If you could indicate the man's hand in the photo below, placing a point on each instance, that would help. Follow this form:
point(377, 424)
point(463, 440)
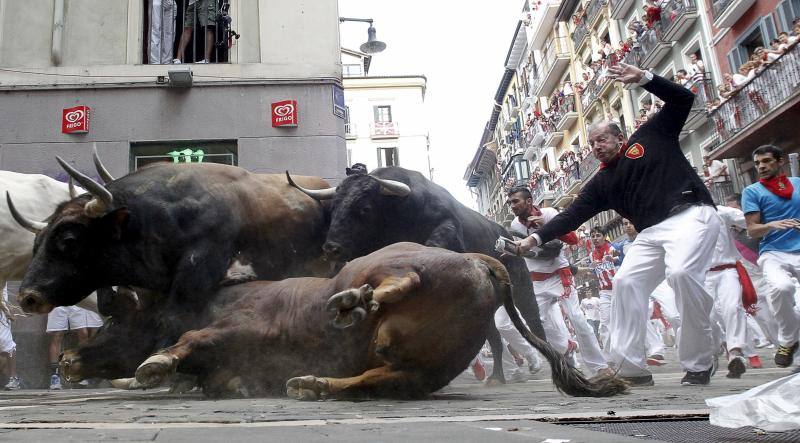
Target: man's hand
point(789, 223)
point(527, 244)
point(625, 73)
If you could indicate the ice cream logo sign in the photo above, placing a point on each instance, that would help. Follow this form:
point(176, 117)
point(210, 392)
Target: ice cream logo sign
point(75, 120)
point(284, 113)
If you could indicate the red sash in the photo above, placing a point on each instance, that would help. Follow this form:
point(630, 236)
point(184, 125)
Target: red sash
point(749, 298)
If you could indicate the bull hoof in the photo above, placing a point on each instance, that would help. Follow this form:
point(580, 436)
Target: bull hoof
point(351, 306)
point(70, 366)
point(494, 381)
point(127, 384)
point(182, 383)
point(154, 370)
point(307, 388)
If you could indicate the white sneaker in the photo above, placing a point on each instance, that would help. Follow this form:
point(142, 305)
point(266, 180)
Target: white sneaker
point(83, 383)
point(55, 382)
point(205, 62)
point(176, 61)
point(13, 384)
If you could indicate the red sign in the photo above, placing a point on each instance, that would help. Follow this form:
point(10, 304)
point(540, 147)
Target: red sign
point(75, 120)
point(284, 113)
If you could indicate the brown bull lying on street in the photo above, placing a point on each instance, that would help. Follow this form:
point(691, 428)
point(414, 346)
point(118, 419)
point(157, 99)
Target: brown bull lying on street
point(401, 322)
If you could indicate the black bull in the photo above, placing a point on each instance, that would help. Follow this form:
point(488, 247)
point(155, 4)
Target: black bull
point(393, 205)
point(177, 230)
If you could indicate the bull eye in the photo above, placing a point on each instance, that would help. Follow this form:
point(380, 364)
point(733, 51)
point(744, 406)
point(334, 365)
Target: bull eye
point(68, 243)
point(365, 211)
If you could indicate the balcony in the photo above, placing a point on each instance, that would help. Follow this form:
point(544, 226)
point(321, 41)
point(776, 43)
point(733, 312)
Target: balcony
point(677, 17)
point(764, 109)
point(619, 8)
point(555, 59)
point(653, 46)
point(383, 130)
point(579, 36)
point(703, 94)
point(727, 12)
point(566, 185)
point(594, 10)
point(552, 136)
point(350, 131)
point(565, 113)
point(534, 139)
point(598, 86)
point(588, 167)
point(721, 191)
point(543, 20)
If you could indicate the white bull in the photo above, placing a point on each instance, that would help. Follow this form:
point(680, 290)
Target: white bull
point(36, 197)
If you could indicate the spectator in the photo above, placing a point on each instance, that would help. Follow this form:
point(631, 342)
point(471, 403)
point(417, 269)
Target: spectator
point(717, 170)
point(61, 320)
point(8, 349)
point(206, 13)
point(697, 69)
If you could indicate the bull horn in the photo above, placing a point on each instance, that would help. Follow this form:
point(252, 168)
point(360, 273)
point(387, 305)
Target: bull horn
point(102, 197)
point(101, 170)
point(33, 226)
point(393, 187)
point(316, 194)
point(72, 191)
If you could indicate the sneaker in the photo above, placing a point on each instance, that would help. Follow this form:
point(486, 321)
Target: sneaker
point(736, 367)
point(755, 362)
point(478, 370)
point(13, 384)
point(55, 382)
point(656, 360)
point(641, 380)
point(83, 384)
point(202, 62)
point(701, 378)
point(784, 355)
point(176, 61)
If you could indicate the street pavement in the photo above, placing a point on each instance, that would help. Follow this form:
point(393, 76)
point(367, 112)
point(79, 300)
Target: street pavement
point(466, 410)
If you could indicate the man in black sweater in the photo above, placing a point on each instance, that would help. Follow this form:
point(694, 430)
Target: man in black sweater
point(647, 180)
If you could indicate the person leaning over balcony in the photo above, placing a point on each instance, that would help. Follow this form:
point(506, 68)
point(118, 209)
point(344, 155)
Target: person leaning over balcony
point(648, 180)
point(772, 212)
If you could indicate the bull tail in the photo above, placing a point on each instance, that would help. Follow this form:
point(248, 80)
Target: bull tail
point(566, 379)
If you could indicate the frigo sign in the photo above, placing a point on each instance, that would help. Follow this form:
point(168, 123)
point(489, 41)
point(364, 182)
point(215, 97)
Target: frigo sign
point(284, 113)
point(75, 120)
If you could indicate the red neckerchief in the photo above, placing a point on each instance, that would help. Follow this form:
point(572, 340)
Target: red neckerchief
point(778, 185)
point(622, 149)
point(601, 251)
point(534, 211)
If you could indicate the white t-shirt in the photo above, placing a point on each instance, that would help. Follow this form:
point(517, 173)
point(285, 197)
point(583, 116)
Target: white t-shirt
point(541, 265)
point(590, 306)
point(715, 168)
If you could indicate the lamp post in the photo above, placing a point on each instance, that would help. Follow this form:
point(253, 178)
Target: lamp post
point(372, 45)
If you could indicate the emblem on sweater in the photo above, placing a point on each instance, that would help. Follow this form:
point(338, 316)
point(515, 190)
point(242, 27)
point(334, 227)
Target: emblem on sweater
point(635, 151)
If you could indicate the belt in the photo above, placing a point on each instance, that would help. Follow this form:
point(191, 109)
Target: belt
point(723, 267)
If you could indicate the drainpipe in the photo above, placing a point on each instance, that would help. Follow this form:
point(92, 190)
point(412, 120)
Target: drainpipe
point(58, 32)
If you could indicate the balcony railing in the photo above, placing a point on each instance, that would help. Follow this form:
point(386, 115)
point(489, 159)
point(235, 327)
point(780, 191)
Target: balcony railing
point(570, 178)
point(579, 35)
point(765, 92)
point(588, 165)
point(721, 191)
point(594, 9)
point(719, 6)
point(554, 48)
point(385, 130)
point(651, 39)
point(596, 85)
point(350, 130)
point(562, 106)
point(675, 14)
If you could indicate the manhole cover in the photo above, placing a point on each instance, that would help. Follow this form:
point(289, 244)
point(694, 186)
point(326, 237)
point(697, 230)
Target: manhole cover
point(694, 431)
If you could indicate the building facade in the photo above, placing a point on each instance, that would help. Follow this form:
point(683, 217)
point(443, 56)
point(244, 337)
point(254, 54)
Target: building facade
point(62, 62)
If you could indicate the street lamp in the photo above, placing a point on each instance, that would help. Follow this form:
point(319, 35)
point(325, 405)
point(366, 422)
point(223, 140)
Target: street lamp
point(373, 45)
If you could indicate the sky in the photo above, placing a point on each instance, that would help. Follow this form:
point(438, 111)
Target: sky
point(460, 47)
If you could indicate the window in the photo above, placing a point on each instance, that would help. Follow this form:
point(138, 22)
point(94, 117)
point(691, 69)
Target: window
point(383, 114)
point(351, 70)
point(387, 157)
point(163, 31)
point(787, 11)
point(187, 151)
point(760, 34)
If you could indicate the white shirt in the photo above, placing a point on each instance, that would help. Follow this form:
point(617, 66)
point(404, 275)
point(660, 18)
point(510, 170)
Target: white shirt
point(590, 306)
point(715, 167)
point(725, 251)
point(538, 264)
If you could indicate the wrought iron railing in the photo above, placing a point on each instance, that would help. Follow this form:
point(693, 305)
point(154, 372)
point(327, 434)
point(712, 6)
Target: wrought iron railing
point(595, 86)
point(719, 7)
point(595, 7)
point(672, 11)
point(580, 34)
point(721, 191)
point(650, 39)
point(554, 48)
point(756, 98)
point(588, 165)
point(565, 105)
point(703, 89)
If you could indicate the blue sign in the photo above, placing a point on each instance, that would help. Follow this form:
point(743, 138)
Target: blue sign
point(338, 102)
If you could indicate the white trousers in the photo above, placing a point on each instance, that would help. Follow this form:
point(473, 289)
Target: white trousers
point(513, 337)
point(778, 268)
point(548, 296)
point(726, 289)
point(162, 31)
point(604, 312)
point(655, 343)
point(680, 248)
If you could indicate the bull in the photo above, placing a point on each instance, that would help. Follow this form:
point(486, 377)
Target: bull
point(178, 231)
point(401, 322)
point(393, 204)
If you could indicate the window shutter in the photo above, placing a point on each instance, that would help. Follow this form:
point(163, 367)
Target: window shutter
point(376, 113)
point(768, 30)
